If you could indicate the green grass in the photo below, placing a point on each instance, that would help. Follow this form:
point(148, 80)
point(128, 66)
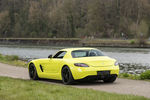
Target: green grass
point(143, 76)
point(12, 60)
point(129, 76)
point(16, 89)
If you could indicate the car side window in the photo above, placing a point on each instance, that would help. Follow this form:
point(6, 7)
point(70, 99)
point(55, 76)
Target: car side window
point(92, 53)
point(60, 54)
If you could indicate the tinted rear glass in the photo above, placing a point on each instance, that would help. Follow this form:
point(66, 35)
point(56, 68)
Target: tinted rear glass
point(86, 53)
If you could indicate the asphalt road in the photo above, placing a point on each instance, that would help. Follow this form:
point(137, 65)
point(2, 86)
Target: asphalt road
point(121, 86)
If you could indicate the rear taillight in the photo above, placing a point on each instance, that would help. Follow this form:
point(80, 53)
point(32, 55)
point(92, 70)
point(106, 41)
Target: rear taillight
point(81, 65)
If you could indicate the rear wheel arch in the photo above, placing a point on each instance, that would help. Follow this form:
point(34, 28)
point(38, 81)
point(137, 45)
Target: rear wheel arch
point(71, 79)
point(64, 66)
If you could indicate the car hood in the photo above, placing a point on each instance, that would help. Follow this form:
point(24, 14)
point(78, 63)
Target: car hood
point(100, 61)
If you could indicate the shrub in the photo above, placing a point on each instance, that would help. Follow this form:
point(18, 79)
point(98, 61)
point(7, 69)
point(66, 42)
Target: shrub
point(125, 74)
point(12, 58)
point(134, 77)
point(1, 56)
point(145, 75)
point(132, 42)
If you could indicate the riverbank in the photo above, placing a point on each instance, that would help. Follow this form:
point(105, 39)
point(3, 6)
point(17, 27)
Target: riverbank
point(143, 75)
point(77, 42)
point(12, 60)
point(42, 41)
point(115, 43)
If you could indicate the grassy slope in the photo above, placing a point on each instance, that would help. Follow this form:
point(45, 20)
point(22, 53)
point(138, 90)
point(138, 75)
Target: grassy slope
point(15, 89)
point(12, 60)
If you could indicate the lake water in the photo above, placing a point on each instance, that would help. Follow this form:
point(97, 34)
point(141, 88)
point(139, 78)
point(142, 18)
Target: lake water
point(123, 55)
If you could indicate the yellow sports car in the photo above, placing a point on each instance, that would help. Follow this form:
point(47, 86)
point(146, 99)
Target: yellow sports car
point(73, 64)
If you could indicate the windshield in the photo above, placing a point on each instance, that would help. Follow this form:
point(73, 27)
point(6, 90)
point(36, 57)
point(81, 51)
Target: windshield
point(86, 53)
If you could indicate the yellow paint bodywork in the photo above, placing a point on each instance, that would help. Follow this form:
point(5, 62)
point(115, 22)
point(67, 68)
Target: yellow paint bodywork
point(52, 67)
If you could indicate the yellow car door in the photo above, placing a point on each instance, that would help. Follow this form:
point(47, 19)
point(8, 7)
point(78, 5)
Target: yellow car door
point(57, 61)
point(53, 66)
point(47, 66)
point(56, 65)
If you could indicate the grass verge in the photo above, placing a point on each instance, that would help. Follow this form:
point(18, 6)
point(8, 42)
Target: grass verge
point(12, 60)
point(17, 89)
point(129, 76)
point(143, 76)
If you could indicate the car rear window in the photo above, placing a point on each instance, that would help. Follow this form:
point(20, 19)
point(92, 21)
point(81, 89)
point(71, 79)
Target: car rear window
point(86, 53)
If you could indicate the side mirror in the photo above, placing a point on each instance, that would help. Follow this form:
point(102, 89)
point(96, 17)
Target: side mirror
point(50, 56)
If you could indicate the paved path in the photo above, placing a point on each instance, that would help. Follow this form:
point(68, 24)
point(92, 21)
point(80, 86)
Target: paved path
point(121, 86)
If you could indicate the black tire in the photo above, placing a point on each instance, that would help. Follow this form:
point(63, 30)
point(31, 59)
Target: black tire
point(110, 79)
point(66, 74)
point(32, 72)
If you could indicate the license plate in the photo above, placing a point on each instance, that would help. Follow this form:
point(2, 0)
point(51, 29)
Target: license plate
point(103, 73)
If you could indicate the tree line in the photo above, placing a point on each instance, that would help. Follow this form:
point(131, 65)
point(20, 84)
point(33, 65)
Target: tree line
point(75, 18)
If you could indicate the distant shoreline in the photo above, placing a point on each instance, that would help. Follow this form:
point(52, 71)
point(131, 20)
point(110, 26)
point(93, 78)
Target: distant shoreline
point(75, 42)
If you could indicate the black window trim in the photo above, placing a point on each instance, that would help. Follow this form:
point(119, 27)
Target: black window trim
point(57, 55)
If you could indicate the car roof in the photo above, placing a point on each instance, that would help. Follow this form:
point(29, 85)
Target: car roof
point(72, 49)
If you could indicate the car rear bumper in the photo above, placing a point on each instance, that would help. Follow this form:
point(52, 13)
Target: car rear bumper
point(81, 73)
point(97, 77)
